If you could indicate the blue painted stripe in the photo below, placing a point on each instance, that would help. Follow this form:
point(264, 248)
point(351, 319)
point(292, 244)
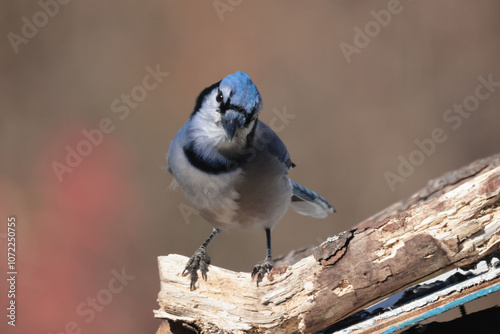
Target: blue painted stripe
point(449, 306)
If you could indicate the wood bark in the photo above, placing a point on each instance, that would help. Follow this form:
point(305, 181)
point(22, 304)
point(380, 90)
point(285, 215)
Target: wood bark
point(453, 222)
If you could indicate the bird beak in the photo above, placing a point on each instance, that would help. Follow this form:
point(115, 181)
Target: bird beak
point(231, 122)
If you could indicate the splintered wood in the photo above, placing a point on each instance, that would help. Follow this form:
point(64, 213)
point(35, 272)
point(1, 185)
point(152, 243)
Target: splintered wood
point(455, 224)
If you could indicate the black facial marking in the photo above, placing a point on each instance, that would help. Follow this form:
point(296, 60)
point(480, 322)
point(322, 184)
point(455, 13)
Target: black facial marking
point(251, 134)
point(249, 119)
point(201, 97)
point(228, 105)
point(234, 107)
point(219, 98)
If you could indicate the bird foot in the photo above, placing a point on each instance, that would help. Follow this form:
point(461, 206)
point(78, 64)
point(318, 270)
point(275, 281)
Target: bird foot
point(261, 269)
point(200, 260)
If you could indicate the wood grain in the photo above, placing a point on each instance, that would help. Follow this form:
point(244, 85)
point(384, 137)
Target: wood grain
point(450, 223)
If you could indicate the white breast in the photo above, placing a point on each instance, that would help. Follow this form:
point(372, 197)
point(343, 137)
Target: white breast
point(213, 195)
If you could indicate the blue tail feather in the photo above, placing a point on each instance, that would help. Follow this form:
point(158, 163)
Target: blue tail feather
point(307, 202)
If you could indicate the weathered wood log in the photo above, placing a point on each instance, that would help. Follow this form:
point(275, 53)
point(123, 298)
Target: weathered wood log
point(449, 224)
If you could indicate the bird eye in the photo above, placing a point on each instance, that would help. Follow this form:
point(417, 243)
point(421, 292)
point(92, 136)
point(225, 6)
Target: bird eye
point(219, 97)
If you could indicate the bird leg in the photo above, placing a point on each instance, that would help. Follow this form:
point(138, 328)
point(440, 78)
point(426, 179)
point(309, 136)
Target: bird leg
point(200, 260)
point(261, 269)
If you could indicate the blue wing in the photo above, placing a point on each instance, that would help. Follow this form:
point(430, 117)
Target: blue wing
point(266, 135)
point(304, 201)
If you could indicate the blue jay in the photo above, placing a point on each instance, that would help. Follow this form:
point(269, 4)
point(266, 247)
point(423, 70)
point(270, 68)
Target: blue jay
point(233, 169)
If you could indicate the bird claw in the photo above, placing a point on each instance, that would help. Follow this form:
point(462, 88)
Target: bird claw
point(261, 269)
point(200, 260)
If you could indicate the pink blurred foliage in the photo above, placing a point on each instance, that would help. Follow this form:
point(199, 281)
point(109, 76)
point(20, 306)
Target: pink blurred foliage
point(76, 230)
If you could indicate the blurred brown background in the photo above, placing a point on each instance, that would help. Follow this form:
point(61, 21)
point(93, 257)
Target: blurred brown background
point(114, 211)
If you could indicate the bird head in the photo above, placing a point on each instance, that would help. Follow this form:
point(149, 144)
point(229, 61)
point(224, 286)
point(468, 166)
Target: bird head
point(226, 112)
